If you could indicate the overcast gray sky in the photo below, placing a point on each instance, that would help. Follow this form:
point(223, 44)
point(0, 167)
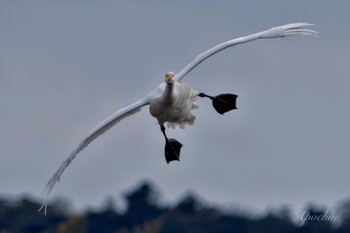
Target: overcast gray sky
point(67, 65)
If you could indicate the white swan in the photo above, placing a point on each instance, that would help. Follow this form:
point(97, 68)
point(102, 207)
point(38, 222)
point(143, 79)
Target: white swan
point(172, 101)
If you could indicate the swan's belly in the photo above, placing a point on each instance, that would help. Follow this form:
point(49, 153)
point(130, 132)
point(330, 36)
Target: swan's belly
point(171, 113)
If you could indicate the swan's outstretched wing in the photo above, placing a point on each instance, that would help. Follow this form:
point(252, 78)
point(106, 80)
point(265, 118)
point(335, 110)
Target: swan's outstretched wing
point(294, 29)
point(97, 131)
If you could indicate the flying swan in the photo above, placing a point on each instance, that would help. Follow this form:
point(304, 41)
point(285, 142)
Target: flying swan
point(172, 101)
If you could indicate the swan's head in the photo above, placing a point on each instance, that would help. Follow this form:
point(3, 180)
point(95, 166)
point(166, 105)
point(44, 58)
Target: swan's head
point(170, 77)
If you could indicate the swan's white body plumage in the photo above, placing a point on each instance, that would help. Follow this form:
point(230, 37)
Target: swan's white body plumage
point(171, 103)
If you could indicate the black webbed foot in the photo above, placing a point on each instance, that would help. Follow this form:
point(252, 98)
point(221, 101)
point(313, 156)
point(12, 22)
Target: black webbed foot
point(172, 150)
point(223, 102)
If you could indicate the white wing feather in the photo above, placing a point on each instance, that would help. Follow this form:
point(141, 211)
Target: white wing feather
point(293, 29)
point(96, 132)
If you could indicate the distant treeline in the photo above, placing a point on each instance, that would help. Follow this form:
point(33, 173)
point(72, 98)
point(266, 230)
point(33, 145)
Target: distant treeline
point(144, 214)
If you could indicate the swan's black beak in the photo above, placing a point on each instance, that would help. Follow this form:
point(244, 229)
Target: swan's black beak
point(172, 150)
point(224, 102)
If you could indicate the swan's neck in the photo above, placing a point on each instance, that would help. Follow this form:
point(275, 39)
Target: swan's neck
point(169, 91)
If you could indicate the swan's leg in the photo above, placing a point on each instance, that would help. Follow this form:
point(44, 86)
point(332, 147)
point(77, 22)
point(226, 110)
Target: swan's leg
point(172, 147)
point(223, 102)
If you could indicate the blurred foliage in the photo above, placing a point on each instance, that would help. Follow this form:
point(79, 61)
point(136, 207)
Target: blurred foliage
point(76, 224)
point(144, 214)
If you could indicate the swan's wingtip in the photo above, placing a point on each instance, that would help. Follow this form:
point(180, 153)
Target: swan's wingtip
point(43, 206)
